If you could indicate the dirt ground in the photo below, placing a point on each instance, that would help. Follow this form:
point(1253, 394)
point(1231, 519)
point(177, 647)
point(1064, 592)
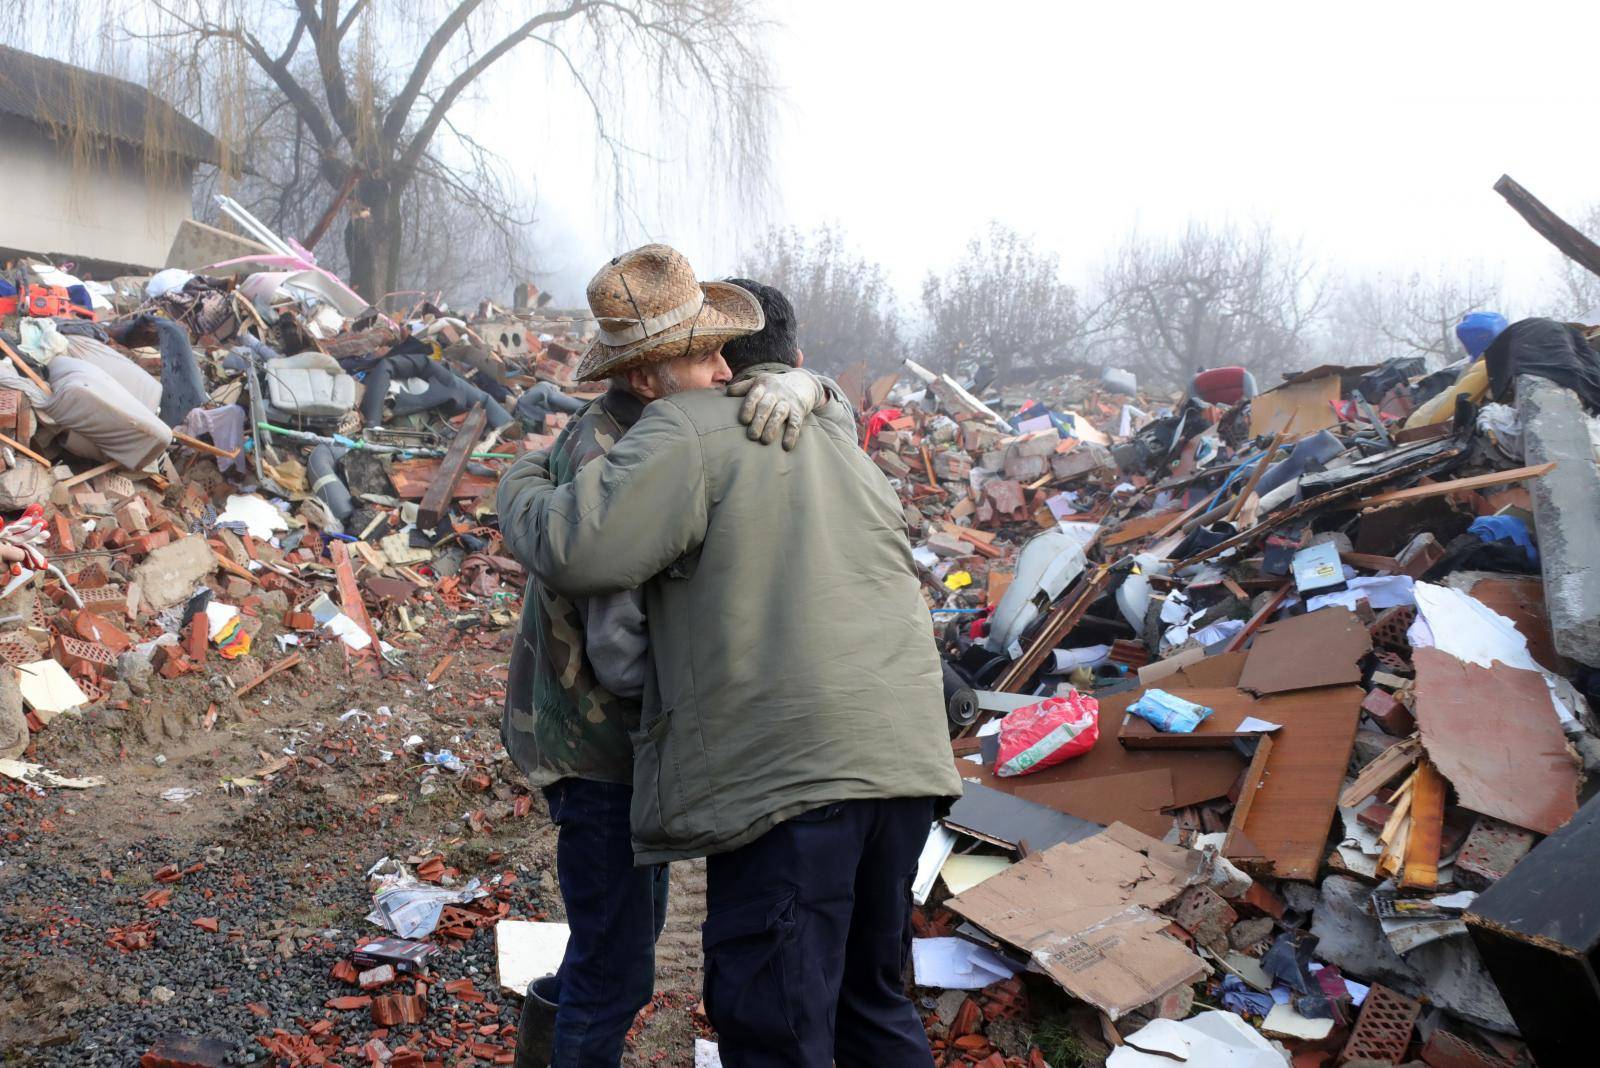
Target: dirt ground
point(269, 813)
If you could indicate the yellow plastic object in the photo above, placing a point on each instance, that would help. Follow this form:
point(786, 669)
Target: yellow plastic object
point(1473, 385)
point(958, 580)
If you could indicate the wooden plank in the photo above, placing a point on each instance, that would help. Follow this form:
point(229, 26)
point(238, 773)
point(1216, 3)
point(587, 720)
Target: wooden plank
point(1391, 762)
point(1550, 226)
point(24, 450)
point(1285, 516)
point(349, 593)
point(1427, 830)
point(1475, 482)
point(1255, 476)
point(27, 372)
point(1255, 622)
point(283, 665)
point(68, 483)
point(1139, 527)
point(203, 446)
point(436, 502)
point(1237, 844)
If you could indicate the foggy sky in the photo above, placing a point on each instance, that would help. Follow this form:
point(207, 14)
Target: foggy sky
point(1372, 130)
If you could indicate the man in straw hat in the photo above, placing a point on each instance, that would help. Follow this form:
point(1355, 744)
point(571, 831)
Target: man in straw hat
point(578, 670)
point(793, 726)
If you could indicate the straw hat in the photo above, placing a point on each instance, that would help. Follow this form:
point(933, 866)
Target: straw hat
point(650, 308)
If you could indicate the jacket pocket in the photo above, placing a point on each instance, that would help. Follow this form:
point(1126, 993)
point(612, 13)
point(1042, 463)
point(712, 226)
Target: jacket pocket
point(647, 810)
point(752, 963)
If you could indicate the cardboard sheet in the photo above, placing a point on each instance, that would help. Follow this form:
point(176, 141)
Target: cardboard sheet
point(1083, 912)
point(1297, 407)
point(1493, 734)
point(1321, 648)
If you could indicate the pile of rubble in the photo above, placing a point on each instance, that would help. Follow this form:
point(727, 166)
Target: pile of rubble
point(226, 472)
point(1314, 792)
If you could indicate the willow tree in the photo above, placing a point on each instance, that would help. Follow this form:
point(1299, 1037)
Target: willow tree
point(372, 85)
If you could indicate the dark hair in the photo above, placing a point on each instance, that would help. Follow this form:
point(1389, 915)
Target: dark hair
point(773, 343)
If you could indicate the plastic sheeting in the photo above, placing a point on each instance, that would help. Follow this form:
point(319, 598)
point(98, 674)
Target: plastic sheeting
point(1548, 349)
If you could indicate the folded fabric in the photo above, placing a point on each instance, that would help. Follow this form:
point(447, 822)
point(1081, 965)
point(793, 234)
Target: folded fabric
point(1166, 712)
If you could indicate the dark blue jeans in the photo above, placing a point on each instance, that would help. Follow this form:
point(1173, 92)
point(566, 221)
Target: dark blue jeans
point(806, 937)
point(616, 912)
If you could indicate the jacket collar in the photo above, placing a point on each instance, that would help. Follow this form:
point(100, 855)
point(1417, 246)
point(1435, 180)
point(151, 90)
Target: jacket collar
point(622, 405)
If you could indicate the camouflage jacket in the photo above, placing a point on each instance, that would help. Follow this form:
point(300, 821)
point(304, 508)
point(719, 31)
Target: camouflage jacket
point(560, 721)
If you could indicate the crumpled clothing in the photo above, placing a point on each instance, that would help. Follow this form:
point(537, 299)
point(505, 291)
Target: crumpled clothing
point(225, 426)
point(1239, 997)
point(41, 340)
point(1505, 528)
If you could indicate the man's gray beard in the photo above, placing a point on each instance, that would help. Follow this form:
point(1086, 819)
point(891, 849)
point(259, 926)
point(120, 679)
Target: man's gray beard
point(667, 381)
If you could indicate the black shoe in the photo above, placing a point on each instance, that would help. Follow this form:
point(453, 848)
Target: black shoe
point(536, 1030)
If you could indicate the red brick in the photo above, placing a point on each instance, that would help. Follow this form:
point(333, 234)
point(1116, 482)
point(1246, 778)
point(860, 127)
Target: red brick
point(181, 1051)
point(207, 923)
point(1390, 714)
point(346, 1002)
point(145, 544)
point(75, 654)
point(195, 636)
point(1262, 900)
point(390, 1010)
point(96, 628)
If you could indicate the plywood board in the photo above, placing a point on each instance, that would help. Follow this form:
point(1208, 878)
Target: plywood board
point(1010, 820)
point(1083, 912)
point(1297, 408)
point(1106, 784)
point(1520, 598)
point(1493, 734)
point(1322, 648)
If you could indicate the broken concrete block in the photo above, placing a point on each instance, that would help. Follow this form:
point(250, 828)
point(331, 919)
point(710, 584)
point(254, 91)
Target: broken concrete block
point(947, 546)
point(171, 572)
point(1083, 459)
point(1025, 468)
point(14, 734)
point(1448, 971)
point(1566, 513)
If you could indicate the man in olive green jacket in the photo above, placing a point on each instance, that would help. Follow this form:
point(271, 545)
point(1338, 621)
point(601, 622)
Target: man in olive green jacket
point(793, 725)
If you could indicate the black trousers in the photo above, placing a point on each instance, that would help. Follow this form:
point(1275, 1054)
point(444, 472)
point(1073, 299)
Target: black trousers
point(807, 934)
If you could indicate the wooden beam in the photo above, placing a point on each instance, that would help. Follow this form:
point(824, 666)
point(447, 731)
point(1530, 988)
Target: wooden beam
point(436, 501)
point(1255, 621)
point(24, 450)
point(350, 594)
point(84, 476)
point(1389, 763)
point(27, 372)
point(283, 665)
point(1238, 844)
point(1475, 482)
point(203, 446)
point(1550, 226)
point(1255, 476)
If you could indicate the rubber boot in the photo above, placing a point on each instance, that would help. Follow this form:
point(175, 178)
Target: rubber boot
point(536, 1030)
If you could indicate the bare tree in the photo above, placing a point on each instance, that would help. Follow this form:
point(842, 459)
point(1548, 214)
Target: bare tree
point(371, 87)
point(845, 307)
point(1579, 288)
point(1210, 297)
point(1003, 304)
point(1418, 313)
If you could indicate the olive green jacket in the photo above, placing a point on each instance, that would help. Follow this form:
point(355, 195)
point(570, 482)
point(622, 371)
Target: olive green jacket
point(793, 658)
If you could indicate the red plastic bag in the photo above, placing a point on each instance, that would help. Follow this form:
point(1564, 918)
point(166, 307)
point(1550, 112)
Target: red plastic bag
point(1037, 736)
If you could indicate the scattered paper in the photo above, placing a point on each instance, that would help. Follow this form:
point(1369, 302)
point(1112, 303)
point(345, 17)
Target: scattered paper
point(1250, 724)
point(941, 840)
point(1209, 1040)
point(706, 1054)
point(37, 775)
point(956, 964)
point(258, 515)
point(525, 951)
point(1284, 1022)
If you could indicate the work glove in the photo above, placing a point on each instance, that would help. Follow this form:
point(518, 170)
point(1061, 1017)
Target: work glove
point(778, 403)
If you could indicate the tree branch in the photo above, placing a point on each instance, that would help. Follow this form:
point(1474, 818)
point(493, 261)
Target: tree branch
point(394, 120)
